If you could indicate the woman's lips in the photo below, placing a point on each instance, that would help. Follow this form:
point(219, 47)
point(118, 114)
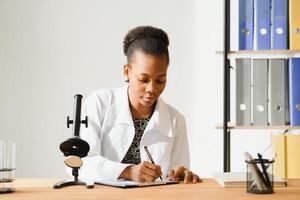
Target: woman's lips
point(148, 99)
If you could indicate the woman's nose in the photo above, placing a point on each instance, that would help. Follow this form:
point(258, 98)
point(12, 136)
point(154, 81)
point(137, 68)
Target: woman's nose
point(151, 88)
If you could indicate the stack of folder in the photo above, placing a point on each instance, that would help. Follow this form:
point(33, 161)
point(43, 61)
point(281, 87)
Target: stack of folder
point(263, 24)
point(287, 148)
point(267, 92)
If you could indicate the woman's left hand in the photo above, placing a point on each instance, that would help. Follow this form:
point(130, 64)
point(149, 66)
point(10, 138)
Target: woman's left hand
point(181, 173)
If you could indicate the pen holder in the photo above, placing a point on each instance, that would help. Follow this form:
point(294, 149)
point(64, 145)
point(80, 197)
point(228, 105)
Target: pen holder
point(259, 176)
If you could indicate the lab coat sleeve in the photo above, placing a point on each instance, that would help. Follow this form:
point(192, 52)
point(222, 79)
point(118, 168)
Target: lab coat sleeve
point(95, 166)
point(180, 151)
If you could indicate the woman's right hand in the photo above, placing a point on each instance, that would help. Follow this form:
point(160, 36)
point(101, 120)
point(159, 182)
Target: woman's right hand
point(145, 171)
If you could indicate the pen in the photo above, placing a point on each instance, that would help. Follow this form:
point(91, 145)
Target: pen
point(269, 186)
point(150, 157)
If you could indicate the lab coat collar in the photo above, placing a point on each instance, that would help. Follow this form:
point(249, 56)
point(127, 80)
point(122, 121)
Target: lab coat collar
point(123, 112)
point(160, 119)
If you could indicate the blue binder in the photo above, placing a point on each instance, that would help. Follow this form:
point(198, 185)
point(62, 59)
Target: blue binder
point(294, 86)
point(279, 22)
point(262, 24)
point(246, 24)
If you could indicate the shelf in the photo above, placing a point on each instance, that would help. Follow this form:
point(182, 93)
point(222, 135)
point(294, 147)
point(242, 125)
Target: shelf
point(268, 54)
point(231, 126)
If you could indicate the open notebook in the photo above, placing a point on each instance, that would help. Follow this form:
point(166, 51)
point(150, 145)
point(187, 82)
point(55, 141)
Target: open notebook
point(238, 179)
point(131, 184)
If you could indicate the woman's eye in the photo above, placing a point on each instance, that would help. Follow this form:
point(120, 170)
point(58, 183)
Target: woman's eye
point(161, 81)
point(143, 80)
point(148, 80)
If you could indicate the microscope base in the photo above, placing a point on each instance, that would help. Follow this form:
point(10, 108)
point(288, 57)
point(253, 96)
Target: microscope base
point(66, 183)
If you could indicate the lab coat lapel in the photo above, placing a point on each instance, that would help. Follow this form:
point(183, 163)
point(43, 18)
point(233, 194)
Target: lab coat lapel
point(123, 114)
point(124, 123)
point(160, 120)
point(158, 135)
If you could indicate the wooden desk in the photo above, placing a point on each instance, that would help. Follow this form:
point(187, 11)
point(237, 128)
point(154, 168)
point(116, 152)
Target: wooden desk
point(41, 189)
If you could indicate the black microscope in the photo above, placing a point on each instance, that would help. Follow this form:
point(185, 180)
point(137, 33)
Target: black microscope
point(75, 148)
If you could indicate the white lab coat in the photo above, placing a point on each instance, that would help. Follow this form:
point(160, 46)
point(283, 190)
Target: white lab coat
point(111, 131)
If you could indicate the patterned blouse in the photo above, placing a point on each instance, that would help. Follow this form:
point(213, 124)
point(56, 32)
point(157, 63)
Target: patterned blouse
point(133, 155)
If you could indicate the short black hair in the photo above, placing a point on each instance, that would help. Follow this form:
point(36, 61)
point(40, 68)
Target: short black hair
point(148, 39)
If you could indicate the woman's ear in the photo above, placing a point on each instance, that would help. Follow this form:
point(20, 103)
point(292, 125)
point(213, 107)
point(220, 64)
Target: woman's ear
point(126, 72)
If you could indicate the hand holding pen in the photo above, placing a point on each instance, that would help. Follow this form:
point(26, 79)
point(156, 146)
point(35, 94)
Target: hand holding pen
point(150, 157)
point(144, 171)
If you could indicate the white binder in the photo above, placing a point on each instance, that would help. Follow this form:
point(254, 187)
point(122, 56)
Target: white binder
point(243, 92)
point(260, 92)
point(278, 92)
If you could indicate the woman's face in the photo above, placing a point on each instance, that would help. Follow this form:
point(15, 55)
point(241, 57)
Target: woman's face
point(147, 75)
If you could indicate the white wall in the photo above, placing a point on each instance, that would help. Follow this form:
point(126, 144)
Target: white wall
point(53, 49)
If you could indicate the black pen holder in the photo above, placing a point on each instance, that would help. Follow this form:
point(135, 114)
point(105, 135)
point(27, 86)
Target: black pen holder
point(259, 180)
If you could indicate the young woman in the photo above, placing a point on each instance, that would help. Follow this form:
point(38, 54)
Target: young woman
point(124, 120)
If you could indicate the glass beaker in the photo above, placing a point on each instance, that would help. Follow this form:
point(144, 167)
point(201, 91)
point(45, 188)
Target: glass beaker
point(7, 166)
